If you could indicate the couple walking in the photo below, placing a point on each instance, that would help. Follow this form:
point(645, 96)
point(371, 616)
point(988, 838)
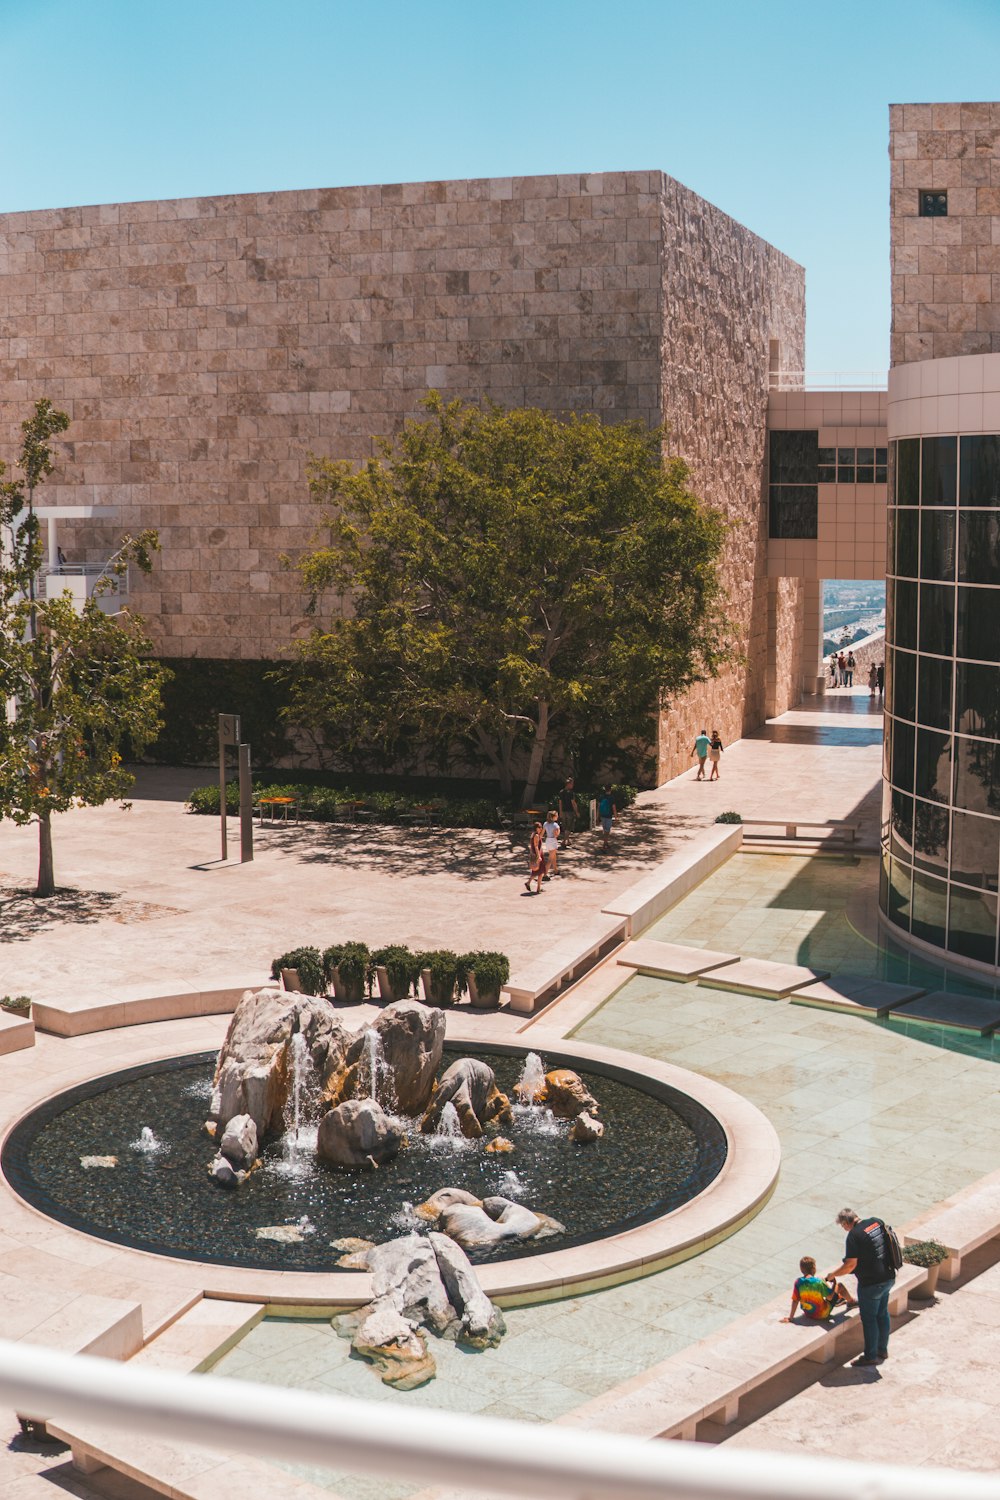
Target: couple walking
point(708, 748)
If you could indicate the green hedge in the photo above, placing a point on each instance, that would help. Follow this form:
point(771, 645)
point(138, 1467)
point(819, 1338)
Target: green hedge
point(325, 804)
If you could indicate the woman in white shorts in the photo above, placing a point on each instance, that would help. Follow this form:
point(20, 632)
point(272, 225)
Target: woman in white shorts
point(550, 843)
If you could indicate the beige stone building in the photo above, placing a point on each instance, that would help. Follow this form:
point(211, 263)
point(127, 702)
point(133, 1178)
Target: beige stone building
point(204, 348)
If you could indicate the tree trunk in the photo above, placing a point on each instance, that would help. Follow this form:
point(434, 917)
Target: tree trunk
point(46, 874)
point(537, 754)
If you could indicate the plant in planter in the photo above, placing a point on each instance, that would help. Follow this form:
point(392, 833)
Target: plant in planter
point(307, 964)
point(18, 1005)
point(729, 817)
point(439, 971)
point(398, 970)
point(484, 973)
point(930, 1254)
point(348, 967)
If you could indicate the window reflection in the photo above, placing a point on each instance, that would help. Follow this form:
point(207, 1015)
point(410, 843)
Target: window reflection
point(977, 775)
point(978, 623)
point(980, 471)
point(930, 908)
point(907, 539)
point(937, 546)
point(900, 892)
point(934, 695)
point(977, 700)
point(904, 628)
point(902, 756)
point(975, 850)
point(972, 925)
point(907, 471)
point(938, 470)
point(904, 684)
point(937, 618)
point(901, 824)
point(979, 551)
point(930, 837)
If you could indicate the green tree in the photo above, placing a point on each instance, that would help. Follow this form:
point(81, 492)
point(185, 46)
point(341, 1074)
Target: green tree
point(506, 584)
point(75, 687)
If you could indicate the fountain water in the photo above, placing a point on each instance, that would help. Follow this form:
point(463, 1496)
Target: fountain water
point(375, 1072)
point(531, 1083)
point(148, 1143)
point(511, 1185)
point(449, 1135)
point(299, 1141)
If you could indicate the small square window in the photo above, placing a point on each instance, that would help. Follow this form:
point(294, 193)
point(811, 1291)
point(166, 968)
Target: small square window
point(933, 205)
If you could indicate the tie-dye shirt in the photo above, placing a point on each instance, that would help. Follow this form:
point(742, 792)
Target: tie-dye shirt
point(816, 1296)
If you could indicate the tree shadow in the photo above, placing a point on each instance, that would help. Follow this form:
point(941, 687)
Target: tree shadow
point(23, 915)
point(644, 836)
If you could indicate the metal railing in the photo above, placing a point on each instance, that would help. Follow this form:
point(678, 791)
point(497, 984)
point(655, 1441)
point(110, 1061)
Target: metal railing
point(828, 380)
point(473, 1454)
point(91, 571)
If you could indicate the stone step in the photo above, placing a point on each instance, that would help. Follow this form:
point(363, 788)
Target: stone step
point(672, 960)
point(854, 994)
point(963, 1012)
point(760, 976)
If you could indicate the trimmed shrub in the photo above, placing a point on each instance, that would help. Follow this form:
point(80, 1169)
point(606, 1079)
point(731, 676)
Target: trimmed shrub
point(310, 969)
point(729, 817)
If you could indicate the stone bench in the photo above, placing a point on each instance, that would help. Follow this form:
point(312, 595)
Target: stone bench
point(194, 1341)
point(15, 1032)
point(76, 1015)
point(708, 1381)
point(961, 1224)
point(73, 1323)
point(563, 963)
point(833, 829)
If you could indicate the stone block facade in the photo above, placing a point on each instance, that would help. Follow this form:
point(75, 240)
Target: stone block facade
point(204, 348)
point(946, 267)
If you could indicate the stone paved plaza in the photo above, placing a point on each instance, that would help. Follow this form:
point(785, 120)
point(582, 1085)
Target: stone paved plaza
point(887, 1117)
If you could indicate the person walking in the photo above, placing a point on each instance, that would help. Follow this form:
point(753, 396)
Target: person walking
point(536, 861)
point(833, 669)
point(715, 749)
point(880, 677)
point(872, 681)
point(841, 669)
point(850, 669)
point(867, 1255)
point(607, 811)
point(701, 748)
point(569, 810)
point(550, 843)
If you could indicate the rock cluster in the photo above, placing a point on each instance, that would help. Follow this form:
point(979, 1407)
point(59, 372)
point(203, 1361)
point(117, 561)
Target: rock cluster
point(472, 1222)
point(418, 1282)
point(471, 1086)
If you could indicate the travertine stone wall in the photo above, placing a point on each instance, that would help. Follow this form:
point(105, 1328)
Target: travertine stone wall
point(945, 271)
point(730, 300)
point(204, 347)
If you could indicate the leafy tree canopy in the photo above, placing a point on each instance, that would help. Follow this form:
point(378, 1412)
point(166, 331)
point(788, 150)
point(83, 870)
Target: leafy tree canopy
point(75, 686)
point(507, 584)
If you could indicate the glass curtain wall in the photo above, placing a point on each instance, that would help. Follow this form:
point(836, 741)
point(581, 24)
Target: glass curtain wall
point(941, 811)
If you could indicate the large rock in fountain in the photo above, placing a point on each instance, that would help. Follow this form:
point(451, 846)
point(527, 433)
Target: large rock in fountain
point(482, 1324)
point(474, 1222)
point(418, 1280)
point(358, 1133)
point(471, 1086)
point(522, 1221)
point(412, 1037)
point(224, 1173)
point(239, 1143)
point(395, 1347)
point(253, 1072)
point(566, 1094)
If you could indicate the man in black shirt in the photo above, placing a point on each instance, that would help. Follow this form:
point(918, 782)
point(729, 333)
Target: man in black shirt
point(867, 1255)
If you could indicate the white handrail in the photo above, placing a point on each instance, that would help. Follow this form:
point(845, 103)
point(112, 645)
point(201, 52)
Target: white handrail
point(476, 1454)
point(828, 380)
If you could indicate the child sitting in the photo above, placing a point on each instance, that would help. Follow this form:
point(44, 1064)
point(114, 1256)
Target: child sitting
point(816, 1297)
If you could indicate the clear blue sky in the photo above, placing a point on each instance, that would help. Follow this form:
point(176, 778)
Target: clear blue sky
point(776, 110)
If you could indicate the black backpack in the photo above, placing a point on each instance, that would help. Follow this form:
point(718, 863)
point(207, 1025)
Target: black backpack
point(894, 1249)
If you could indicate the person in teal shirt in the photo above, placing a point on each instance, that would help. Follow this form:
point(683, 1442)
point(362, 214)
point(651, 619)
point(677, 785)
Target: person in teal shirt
point(700, 748)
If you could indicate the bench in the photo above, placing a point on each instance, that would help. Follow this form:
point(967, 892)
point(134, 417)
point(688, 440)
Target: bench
point(194, 1341)
point(563, 963)
point(16, 1031)
point(961, 1224)
point(707, 1381)
point(79, 1013)
point(835, 832)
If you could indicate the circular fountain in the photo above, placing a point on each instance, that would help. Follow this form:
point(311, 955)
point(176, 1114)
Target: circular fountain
point(658, 1177)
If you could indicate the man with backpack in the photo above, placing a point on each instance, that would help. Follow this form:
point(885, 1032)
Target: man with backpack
point(872, 1254)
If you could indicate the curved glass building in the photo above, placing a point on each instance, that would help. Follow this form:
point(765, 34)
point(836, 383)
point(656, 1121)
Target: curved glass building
point(941, 811)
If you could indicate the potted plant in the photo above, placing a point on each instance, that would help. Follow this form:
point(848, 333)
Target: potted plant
point(18, 1005)
point(439, 972)
point(484, 973)
point(397, 969)
point(347, 967)
point(930, 1254)
point(304, 968)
